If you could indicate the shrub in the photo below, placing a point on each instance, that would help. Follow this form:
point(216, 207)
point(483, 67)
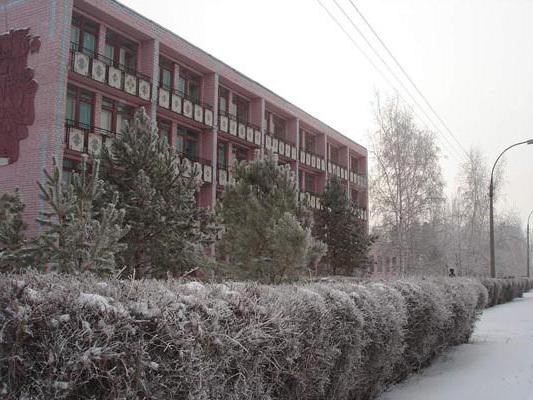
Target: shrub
point(81, 337)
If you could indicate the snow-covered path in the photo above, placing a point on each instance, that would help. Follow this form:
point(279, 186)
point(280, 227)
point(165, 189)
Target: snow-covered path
point(497, 364)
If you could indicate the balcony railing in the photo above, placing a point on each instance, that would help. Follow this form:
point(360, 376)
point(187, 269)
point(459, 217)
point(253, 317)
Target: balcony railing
point(312, 160)
point(244, 130)
point(195, 164)
point(311, 198)
point(281, 147)
point(101, 69)
point(359, 180)
point(360, 212)
point(84, 138)
point(338, 170)
point(179, 103)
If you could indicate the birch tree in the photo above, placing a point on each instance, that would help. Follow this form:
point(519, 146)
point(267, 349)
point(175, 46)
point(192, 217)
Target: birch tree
point(407, 184)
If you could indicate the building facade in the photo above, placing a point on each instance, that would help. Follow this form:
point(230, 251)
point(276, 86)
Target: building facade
point(89, 64)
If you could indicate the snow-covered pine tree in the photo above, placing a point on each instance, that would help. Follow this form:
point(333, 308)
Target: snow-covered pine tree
point(168, 230)
point(345, 235)
point(78, 235)
point(267, 236)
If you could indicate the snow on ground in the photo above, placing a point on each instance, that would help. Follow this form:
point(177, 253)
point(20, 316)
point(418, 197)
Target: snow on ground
point(497, 363)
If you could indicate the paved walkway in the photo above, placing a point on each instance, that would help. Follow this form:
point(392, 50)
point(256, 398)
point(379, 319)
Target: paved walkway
point(497, 364)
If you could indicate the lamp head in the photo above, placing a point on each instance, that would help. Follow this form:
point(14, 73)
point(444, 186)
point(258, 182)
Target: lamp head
point(530, 141)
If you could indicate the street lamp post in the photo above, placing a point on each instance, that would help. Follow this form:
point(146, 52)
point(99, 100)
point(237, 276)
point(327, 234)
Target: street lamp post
point(527, 239)
point(491, 195)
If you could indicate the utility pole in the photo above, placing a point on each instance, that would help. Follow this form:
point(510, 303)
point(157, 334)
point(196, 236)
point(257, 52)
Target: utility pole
point(491, 196)
point(528, 249)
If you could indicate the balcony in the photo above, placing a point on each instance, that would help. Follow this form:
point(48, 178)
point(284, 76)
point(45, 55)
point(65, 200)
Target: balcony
point(179, 103)
point(194, 164)
point(338, 170)
point(359, 180)
point(312, 160)
point(283, 148)
point(359, 212)
point(84, 139)
point(104, 70)
point(229, 123)
point(311, 198)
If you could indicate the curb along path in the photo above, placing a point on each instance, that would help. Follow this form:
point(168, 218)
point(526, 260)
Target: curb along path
point(496, 364)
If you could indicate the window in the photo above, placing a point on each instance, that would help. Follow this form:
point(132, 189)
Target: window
point(275, 125)
point(310, 143)
point(80, 105)
point(239, 153)
point(69, 166)
point(189, 84)
point(222, 155)
point(166, 74)
point(115, 115)
point(355, 197)
point(241, 108)
point(310, 183)
point(84, 35)
point(164, 127)
point(120, 51)
point(333, 154)
point(187, 142)
point(223, 98)
point(354, 165)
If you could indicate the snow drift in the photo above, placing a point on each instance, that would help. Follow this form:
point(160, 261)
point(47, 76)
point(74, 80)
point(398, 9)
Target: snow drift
point(67, 337)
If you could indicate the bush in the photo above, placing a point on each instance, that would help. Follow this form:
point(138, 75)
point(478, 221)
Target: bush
point(504, 290)
point(80, 337)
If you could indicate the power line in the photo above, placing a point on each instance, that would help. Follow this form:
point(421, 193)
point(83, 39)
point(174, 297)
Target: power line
point(406, 75)
point(394, 75)
point(383, 75)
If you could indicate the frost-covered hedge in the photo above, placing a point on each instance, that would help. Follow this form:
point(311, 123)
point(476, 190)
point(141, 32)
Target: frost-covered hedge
point(63, 337)
point(504, 290)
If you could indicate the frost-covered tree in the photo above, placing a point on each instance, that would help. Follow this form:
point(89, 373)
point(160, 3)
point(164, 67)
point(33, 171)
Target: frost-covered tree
point(345, 235)
point(407, 184)
point(168, 230)
point(11, 224)
point(267, 234)
point(78, 235)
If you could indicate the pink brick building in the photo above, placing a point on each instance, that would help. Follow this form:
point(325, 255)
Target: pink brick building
point(99, 60)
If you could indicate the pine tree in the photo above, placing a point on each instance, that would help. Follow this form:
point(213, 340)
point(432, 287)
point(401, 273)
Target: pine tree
point(78, 235)
point(267, 234)
point(168, 230)
point(345, 235)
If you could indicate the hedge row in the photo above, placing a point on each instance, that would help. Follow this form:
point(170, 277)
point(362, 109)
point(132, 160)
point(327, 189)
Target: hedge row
point(66, 337)
point(504, 290)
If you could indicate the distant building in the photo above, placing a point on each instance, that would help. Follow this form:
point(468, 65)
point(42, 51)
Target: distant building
point(99, 60)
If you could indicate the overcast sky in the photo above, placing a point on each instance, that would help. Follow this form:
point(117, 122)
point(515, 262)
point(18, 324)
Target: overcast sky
point(472, 59)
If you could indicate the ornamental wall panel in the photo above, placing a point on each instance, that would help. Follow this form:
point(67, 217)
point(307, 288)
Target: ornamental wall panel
point(114, 77)
point(222, 177)
point(268, 142)
point(257, 137)
point(241, 131)
point(208, 173)
point(76, 139)
point(250, 134)
point(224, 123)
point(233, 127)
point(175, 103)
point(198, 113)
point(164, 98)
point(81, 64)
point(302, 156)
point(188, 108)
point(94, 144)
point(308, 159)
point(274, 145)
point(287, 150)
point(281, 147)
point(144, 89)
point(313, 161)
point(130, 84)
point(208, 117)
point(98, 70)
